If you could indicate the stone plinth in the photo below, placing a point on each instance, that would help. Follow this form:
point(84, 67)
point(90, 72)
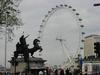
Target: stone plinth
point(34, 64)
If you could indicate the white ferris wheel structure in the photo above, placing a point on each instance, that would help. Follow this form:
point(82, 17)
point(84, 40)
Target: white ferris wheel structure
point(80, 26)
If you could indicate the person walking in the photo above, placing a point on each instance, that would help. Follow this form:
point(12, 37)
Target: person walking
point(61, 72)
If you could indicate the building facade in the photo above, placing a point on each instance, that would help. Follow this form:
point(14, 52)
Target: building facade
point(89, 44)
point(91, 68)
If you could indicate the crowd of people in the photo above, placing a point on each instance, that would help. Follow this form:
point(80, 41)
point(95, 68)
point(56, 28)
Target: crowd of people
point(61, 71)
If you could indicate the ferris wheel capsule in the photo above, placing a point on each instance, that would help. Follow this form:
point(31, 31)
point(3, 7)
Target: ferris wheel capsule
point(61, 5)
point(70, 7)
point(83, 33)
point(65, 5)
point(41, 25)
point(46, 15)
point(40, 31)
point(43, 20)
point(57, 6)
point(77, 14)
point(82, 26)
point(80, 19)
point(73, 9)
point(53, 8)
point(49, 11)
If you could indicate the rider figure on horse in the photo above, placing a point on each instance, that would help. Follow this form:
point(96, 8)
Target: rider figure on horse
point(22, 47)
point(23, 41)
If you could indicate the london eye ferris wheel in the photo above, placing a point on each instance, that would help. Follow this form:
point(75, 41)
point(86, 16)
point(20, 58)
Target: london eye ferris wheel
point(61, 34)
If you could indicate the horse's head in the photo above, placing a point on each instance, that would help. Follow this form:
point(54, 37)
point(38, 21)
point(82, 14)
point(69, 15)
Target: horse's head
point(36, 42)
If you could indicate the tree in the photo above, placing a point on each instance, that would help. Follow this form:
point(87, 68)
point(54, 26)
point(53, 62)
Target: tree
point(9, 18)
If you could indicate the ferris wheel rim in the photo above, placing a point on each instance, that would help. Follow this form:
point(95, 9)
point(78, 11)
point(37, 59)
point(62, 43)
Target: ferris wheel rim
point(57, 8)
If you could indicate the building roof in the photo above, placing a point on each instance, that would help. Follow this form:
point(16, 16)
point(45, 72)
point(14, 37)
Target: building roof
point(92, 35)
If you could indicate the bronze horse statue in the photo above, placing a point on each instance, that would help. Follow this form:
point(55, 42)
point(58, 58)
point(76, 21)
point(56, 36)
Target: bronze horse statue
point(22, 48)
point(36, 47)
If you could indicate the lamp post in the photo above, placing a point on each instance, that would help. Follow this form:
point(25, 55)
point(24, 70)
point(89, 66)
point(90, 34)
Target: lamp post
point(5, 34)
point(96, 4)
point(6, 41)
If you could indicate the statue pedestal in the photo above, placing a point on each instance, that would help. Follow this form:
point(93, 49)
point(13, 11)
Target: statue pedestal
point(35, 65)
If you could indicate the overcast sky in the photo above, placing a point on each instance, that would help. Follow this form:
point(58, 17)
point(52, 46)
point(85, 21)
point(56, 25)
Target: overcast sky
point(61, 24)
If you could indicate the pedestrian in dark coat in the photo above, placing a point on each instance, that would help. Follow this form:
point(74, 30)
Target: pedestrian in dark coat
point(56, 72)
point(61, 72)
point(67, 71)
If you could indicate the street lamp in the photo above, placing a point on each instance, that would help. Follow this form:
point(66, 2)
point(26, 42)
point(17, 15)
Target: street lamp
point(6, 40)
point(96, 4)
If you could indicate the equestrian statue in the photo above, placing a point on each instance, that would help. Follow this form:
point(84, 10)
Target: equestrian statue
point(22, 48)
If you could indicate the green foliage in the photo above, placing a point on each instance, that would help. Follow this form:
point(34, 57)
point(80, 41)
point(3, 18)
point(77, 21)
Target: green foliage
point(9, 17)
point(9, 13)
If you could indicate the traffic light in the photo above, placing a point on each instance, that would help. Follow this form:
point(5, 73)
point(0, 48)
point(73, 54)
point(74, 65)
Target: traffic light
point(97, 48)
